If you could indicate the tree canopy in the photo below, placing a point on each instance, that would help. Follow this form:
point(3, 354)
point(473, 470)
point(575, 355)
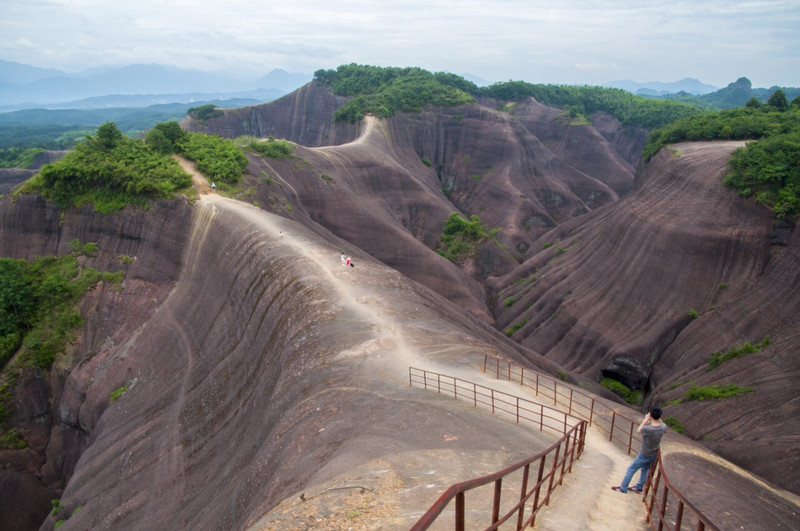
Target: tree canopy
point(109, 170)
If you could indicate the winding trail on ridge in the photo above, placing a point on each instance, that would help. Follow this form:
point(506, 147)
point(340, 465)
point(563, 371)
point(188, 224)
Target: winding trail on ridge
point(584, 501)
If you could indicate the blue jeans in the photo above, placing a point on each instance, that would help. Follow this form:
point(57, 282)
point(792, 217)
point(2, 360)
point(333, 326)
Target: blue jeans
point(640, 463)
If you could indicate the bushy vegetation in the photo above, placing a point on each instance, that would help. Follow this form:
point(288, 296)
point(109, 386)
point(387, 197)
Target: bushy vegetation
point(270, 148)
point(460, 238)
point(218, 158)
point(767, 170)
point(719, 357)
point(17, 157)
point(386, 91)
point(205, 112)
point(54, 137)
point(38, 304)
point(583, 101)
point(712, 392)
point(109, 171)
point(631, 396)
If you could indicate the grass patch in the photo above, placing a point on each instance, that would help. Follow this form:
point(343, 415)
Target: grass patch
point(719, 357)
point(117, 393)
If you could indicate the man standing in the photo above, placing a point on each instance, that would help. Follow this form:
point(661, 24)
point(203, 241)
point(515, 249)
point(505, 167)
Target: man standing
point(652, 430)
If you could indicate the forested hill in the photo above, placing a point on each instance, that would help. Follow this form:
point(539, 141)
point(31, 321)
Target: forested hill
point(385, 91)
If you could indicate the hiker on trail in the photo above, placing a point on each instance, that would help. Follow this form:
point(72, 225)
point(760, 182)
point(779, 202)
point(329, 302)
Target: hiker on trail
point(213, 186)
point(652, 430)
point(280, 234)
point(347, 261)
point(342, 258)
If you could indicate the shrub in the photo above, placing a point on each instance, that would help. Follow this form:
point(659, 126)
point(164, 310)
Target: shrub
point(109, 171)
point(718, 358)
point(631, 396)
point(512, 330)
point(117, 393)
point(219, 159)
point(205, 112)
point(460, 237)
point(693, 314)
point(38, 304)
point(270, 148)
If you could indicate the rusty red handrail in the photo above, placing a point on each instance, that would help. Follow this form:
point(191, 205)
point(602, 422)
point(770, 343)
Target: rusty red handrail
point(618, 427)
point(572, 441)
point(660, 514)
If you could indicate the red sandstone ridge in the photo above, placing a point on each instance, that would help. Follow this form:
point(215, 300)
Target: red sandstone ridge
point(599, 271)
point(227, 333)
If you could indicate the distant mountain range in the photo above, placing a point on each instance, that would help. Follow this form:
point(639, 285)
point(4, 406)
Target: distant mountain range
point(658, 88)
point(24, 86)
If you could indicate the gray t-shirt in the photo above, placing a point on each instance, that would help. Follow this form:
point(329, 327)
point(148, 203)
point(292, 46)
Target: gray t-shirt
point(651, 438)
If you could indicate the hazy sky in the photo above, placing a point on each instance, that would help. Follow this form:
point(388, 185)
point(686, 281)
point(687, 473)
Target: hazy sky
point(556, 41)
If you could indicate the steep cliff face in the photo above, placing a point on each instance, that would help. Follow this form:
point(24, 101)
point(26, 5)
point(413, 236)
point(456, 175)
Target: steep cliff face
point(305, 116)
point(615, 294)
point(55, 413)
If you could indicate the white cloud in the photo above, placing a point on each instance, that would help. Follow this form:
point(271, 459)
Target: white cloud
point(555, 41)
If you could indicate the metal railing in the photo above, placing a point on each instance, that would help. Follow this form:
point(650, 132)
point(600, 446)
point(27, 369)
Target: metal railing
point(560, 454)
point(498, 402)
point(662, 513)
point(618, 427)
point(668, 514)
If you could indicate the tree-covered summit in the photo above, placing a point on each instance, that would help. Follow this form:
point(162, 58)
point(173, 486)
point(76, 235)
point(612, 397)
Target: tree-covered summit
point(384, 91)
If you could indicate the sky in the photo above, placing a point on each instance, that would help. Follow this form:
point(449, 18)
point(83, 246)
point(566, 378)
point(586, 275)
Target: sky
point(559, 41)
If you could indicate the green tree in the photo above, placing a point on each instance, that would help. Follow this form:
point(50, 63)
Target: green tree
point(753, 103)
point(108, 136)
point(778, 100)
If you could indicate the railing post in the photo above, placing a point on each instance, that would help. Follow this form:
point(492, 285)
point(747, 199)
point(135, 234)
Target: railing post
point(522, 375)
point(498, 487)
point(613, 422)
point(535, 507)
point(460, 522)
point(474, 394)
point(537, 384)
point(517, 410)
point(630, 438)
point(552, 475)
point(492, 394)
point(570, 400)
point(485, 360)
point(591, 412)
point(523, 491)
